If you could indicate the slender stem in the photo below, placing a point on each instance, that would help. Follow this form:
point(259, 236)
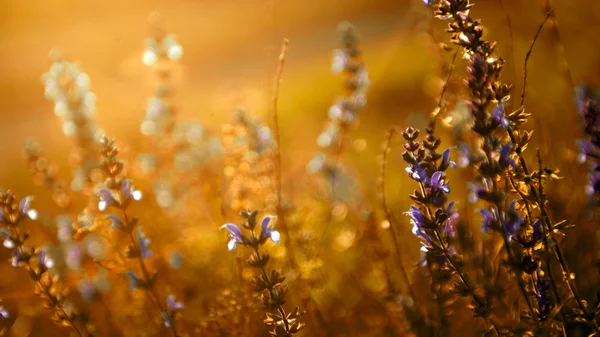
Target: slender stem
point(388, 214)
point(511, 45)
point(545, 235)
point(535, 37)
point(458, 271)
point(268, 282)
point(274, 100)
point(278, 175)
point(147, 278)
point(440, 102)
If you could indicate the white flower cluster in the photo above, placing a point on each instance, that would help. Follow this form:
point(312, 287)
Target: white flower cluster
point(166, 47)
point(74, 103)
point(69, 88)
point(345, 109)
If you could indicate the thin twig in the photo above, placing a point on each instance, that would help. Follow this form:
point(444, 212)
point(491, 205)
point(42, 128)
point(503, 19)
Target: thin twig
point(546, 245)
point(148, 280)
point(440, 102)
point(511, 44)
point(278, 176)
point(274, 100)
point(535, 37)
point(388, 215)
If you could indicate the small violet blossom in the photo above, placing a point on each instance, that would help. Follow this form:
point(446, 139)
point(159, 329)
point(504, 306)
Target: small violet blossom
point(446, 162)
point(172, 304)
point(16, 258)
point(498, 116)
point(143, 243)
point(134, 280)
point(44, 260)
point(235, 235)
point(7, 242)
point(489, 217)
point(106, 199)
point(115, 222)
point(267, 229)
point(512, 222)
point(417, 171)
point(452, 221)
point(438, 183)
point(3, 312)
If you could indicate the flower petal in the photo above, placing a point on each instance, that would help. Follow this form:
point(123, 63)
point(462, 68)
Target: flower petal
point(266, 221)
point(115, 221)
point(435, 179)
point(25, 205)
point(133, 279)
point(233, 229)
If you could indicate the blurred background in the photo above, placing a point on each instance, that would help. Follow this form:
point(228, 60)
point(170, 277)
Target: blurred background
point(231, 48)
point(230, 56)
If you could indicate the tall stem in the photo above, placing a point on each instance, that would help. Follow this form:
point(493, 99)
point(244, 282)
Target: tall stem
point(148, 280)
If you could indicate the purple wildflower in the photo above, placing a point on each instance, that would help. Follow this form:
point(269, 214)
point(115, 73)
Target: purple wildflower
point(464, 155)
point(489, 217)
point(3, 312)
point(498, 116)
point(44, 260)
point(115, 222)
point(586, 149)
point(267, 229)
point(417, 218)
point(168, 319)
point(504, 159)
point(7, 242)
point(134, 280)
point(512, 222)
point(589, 110)
point(534, 239)
point(593, 186)
point(25, 205)
point(542, 289)
point(417, 171)
point(143, 242)
point(438, 183)
point(452, 221)
point(478, 191)
point(16, 258)
point(172, 304)
point(106, 199)
point(235, 235)
point(446, 162)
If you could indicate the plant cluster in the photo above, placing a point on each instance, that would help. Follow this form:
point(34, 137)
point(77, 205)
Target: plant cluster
point(495, 264)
